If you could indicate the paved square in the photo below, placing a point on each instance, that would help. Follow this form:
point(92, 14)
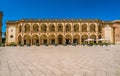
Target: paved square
point(60, 61)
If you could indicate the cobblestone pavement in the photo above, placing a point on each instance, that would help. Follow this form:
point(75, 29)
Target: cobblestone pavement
point(60, 61)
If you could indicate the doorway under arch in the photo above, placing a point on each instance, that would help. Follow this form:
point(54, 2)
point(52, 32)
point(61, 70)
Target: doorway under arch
point(60, 39)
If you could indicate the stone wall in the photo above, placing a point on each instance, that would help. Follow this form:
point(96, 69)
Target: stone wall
point(117, 33)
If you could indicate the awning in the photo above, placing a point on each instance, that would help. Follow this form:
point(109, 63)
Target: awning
point(89, 40)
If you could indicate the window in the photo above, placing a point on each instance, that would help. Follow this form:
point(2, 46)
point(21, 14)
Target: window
point(44, 30)
point(60, 27)
point(52, 26)
point(75, 30)
point(11, 36)
point(11, 30)
point(66, 26)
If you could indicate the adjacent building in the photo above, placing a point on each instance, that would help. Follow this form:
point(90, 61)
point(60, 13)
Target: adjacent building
point(61, 31)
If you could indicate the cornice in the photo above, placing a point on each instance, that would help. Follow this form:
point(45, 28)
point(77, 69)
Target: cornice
point(61, 20)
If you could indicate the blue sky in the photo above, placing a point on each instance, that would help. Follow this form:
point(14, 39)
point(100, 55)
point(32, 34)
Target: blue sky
point(18, 9)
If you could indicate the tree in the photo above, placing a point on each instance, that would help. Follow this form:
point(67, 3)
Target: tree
point(4, 37)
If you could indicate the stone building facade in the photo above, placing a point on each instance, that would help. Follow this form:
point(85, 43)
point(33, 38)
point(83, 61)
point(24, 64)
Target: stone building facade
point(1, 14)
point(116, 26)
point(61, 31)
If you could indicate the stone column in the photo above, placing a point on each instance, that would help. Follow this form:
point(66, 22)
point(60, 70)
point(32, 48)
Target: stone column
point(39, 41)
point(88, 28)
point(96, 29)
point(31, 40)
point(72, 40)
point(31, 28)
point(72, 28)
point(23, 28)
point(97, 39)
point(39, 28)
point(80, 40)
point(56, 29)
point(80, 28)
point(63, 27)
point(47, 28)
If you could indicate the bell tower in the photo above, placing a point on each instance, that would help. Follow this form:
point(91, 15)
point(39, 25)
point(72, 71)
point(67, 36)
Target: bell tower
point(1, 14)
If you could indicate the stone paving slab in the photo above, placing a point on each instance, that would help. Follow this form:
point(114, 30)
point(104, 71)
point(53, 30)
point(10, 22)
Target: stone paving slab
point(60, 61)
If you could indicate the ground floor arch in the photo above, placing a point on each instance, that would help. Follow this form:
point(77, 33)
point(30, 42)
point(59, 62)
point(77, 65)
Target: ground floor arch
point(19, 40)
point(60, 39)
point(68, 39)
point(27, 40)
point(43, 39)
point(84, 38)
point(35, 40)
point(93, 37)
point(52, 39)
point(76, 39)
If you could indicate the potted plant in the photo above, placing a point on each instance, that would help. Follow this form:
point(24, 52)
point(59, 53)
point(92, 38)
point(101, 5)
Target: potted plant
point(12, 44)
point(0, 44)
point(37, 44)
point(74, 44)
point(3, 45)
point(55, 44)
point(65, 44)
point(28, 45)
point(46, 44)
point(21, 45)
point(83, 44)
point(106, 44)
